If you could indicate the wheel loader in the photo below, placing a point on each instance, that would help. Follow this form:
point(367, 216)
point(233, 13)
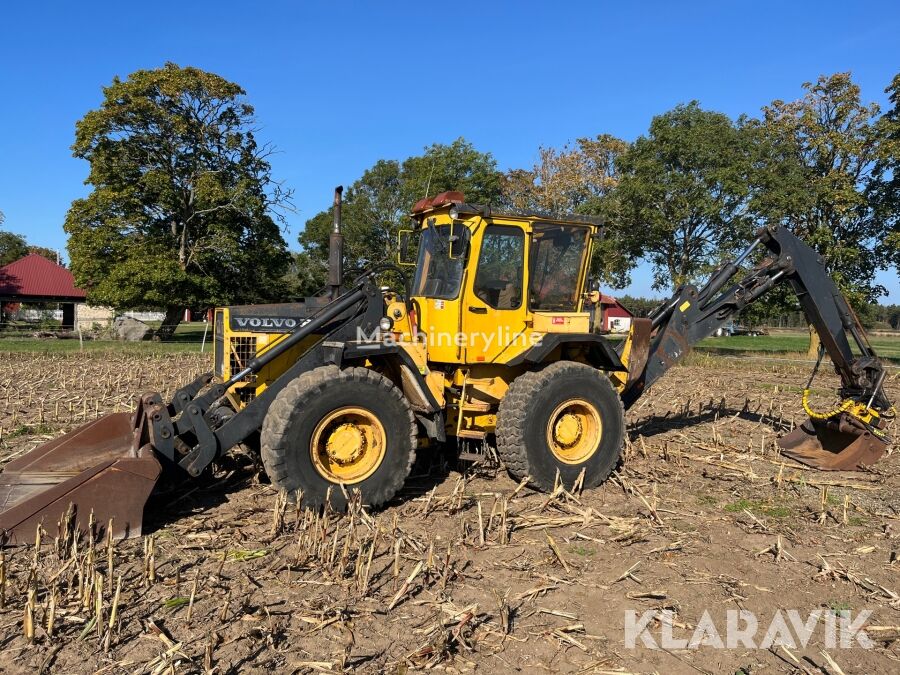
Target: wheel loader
point(493, 338)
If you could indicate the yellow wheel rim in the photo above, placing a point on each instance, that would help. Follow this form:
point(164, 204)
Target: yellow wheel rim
point(348, 445)
point(574, 431)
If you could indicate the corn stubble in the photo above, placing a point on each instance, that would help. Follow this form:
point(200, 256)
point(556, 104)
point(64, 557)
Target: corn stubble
point(461, 572)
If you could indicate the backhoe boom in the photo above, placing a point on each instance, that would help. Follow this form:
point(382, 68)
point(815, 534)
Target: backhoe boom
point(692, 314)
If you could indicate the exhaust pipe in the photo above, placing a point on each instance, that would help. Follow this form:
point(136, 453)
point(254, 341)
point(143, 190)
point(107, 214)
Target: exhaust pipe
point(336, 248)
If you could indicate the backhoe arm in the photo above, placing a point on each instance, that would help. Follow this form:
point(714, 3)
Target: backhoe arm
point(661, 341)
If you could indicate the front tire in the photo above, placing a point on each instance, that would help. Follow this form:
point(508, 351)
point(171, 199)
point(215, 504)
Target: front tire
point(564, 418)
point(330, 427)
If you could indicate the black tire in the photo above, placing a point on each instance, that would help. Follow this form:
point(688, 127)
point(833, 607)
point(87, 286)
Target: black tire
point(289, 426)
point(525, 416)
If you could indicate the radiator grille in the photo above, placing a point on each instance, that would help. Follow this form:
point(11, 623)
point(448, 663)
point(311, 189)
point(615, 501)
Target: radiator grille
point(242, 350)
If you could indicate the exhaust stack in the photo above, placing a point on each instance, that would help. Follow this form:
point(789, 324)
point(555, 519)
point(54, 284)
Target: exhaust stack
point(336, 248)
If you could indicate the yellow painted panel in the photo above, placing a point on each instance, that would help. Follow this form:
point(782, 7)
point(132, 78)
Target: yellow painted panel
point(562, 322)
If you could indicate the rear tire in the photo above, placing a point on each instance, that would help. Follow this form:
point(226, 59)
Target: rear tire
point(566, 417)
point(330, 426)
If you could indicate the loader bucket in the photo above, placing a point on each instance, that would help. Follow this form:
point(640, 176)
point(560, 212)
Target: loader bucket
point(95, 468)
point(840, 443)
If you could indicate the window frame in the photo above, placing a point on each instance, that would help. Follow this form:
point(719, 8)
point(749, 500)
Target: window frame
point(461, 259)
point(522, 235)
point(533, 251)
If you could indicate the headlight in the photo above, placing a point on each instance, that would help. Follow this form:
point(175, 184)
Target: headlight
point(386, 323)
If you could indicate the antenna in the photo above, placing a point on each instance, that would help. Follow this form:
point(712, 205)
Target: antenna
point(430, 174)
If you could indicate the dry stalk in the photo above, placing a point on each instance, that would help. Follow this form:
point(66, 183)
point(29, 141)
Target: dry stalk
point(29, 615)
point(555, 548)
point(480, 525)
point(404, 589)
point(223, 615)
point(190, 609)
point(110, 555)
point(281, 502)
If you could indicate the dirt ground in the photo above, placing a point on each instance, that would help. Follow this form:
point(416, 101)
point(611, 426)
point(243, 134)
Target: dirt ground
point(468, 571)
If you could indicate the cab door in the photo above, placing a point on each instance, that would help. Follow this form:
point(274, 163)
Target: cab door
point(495, 310)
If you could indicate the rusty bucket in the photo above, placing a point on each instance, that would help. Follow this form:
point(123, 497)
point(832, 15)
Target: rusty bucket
point(95, 468)
point(839, 443)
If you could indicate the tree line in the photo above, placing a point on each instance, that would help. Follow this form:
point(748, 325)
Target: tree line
point(684, 196)
point(184, 210)
point(14, 246)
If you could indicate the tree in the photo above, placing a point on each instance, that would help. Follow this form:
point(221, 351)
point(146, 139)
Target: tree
point(812, 172)
point(578, 179)
point(49, 253)
point(884, 190)
point(12, 247)
point(640, 307)
point(183, 207)
point(682, 193)
point(376, 205)
point(565, 181)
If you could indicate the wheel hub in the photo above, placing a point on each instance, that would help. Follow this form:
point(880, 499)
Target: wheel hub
point(574, 431)
point(348, 445)
point(567, 430)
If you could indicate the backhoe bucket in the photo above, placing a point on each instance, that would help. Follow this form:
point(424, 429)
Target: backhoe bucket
point(840, 443)
point(95, 468)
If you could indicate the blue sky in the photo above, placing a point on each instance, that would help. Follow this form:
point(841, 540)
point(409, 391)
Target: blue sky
point(337, 86)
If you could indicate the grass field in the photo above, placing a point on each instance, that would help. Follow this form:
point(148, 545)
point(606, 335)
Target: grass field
point(786, 343)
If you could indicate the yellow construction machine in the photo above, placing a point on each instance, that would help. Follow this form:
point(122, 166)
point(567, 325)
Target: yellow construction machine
point(493, 338)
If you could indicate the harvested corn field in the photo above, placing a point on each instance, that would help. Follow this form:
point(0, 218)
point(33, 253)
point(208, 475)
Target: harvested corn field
point(465, 571)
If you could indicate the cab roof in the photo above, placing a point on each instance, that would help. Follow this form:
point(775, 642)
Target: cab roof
point(445, 201)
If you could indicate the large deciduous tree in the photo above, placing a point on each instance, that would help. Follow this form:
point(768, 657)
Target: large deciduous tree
point(682, 193)
point(564, 181)
point(376, 205)
point(812, 172)
point(578, 179)
point(183, 206)
point(884, 191)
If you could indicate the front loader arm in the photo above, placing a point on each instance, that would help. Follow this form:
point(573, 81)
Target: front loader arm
point(661, 341)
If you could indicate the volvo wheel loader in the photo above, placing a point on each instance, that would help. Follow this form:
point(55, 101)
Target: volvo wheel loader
point(492, 339)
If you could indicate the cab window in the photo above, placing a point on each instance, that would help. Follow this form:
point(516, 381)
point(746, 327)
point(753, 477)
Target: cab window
point(443, 251)
point(498, 279)
point(554, 266)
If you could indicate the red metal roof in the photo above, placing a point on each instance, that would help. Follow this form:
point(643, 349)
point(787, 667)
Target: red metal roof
point(611, 302)
point(36, 277)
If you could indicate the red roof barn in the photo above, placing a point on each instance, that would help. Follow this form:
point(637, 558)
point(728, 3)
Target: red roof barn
point(36, 279)
point(613, 316)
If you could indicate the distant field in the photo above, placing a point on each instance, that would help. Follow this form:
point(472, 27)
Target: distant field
point(886, 347)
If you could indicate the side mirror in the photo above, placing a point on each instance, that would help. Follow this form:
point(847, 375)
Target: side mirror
point(407, 247)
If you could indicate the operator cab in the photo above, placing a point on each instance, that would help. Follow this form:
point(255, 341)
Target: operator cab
point(487, 284)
